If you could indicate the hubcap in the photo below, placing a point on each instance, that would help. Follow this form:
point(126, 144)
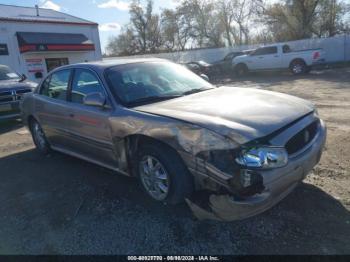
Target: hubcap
point(154, 177)
point(297, 68)
point(39, 135)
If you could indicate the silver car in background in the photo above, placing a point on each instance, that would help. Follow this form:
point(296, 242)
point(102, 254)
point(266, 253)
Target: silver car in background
point(246, 149)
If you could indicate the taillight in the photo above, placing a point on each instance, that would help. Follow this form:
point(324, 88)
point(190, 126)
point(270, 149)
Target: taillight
point(316, 55)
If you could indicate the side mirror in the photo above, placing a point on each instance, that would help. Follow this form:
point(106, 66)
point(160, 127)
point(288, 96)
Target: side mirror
point(23, 77)
point(205, 77)
point(95, 99)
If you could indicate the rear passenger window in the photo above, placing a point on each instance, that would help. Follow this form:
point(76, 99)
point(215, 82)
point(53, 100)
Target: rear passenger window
point(266, 50)
point(56, 86)
point(85, 82)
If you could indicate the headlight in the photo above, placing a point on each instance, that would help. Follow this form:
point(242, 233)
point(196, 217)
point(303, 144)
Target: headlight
point(263, 157)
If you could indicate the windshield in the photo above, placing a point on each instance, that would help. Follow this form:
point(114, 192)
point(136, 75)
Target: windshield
point(7, 74)
point(153, 81)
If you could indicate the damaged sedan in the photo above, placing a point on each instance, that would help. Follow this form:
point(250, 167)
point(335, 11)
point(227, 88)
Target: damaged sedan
point(229, 152)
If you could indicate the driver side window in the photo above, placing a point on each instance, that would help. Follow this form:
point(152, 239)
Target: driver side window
point(85, 82)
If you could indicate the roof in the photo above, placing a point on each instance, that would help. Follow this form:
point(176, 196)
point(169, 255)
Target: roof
point(51, 38)
point(34, 42)
point(101, 65)
point(28, 14)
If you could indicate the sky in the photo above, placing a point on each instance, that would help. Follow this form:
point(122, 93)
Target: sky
point(109, 14)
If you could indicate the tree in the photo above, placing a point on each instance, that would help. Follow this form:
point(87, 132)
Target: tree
point(124, 44)
point(214, 23)
point(174, 32)
point(202, 22)
point(330, 18)
point(292, 20)
point(225, 13)
point(237, 16)
point(298, 19)
point(145, 25)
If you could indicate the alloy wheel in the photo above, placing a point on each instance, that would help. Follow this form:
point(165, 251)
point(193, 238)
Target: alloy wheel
point(154, 177)
point(39, 135)
point(297, 68)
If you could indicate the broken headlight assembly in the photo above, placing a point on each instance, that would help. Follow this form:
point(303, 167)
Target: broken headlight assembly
point(244, 182)
point(263, 157)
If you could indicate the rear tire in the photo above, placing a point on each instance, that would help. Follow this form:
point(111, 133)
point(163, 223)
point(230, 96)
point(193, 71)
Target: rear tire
point(39, 138)
point(298, 67)
point(169, 180)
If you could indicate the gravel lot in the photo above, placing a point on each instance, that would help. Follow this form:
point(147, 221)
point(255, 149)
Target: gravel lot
point(62, 205)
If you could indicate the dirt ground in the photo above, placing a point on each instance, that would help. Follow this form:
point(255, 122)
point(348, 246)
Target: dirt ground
point(62, 205)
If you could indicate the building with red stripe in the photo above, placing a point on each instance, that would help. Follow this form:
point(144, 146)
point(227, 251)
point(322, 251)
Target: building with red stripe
point(34, 41)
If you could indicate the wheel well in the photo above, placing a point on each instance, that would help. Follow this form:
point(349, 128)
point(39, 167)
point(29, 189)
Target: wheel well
point(30, 119)
point(134, 142)
point(241, 64)
point(296, 60)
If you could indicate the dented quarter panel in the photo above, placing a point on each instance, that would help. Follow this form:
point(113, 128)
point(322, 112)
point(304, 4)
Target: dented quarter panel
point(188, 139)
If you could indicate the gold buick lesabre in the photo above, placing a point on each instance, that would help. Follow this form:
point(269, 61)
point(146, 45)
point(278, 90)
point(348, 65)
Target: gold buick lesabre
point(178, 134)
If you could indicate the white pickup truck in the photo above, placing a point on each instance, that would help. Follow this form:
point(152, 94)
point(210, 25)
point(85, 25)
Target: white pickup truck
point(278, 57)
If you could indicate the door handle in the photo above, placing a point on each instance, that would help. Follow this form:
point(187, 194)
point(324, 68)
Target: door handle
point(261, 57)
point(276, 55)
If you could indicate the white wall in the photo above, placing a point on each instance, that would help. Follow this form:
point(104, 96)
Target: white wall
point(336, 49)
point(17, 60)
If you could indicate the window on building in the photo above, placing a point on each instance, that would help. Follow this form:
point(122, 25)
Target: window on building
point(3, 49)
point(52, 63)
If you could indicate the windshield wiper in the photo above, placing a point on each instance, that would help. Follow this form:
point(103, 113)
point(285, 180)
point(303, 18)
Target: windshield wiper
point(150, 99)
point(197, 90)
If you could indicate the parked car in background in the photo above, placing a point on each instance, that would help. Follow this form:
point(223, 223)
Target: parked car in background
point(278, 57)
point(224, 66)
point(12, 88)
point(202, 68)
point(177, 133)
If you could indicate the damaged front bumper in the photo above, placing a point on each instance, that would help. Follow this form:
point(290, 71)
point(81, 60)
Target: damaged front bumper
point(278, 184)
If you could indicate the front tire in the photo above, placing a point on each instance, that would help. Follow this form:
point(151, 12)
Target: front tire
point(162, 174)
point(241, 70)
point(39, 138)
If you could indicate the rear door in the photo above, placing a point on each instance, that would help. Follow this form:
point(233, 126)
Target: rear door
point(51, 106)
point(266, 58)
point(89, 129)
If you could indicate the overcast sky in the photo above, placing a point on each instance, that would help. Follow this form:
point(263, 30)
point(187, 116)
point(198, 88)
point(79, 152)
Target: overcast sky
point(109, 14)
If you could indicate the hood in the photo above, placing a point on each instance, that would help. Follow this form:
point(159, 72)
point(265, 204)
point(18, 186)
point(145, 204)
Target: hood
point(243, 114)
point(15, 84)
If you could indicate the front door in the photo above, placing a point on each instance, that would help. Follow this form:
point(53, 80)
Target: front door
point(52, 107)
point(89, 130)
point(266, 58)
